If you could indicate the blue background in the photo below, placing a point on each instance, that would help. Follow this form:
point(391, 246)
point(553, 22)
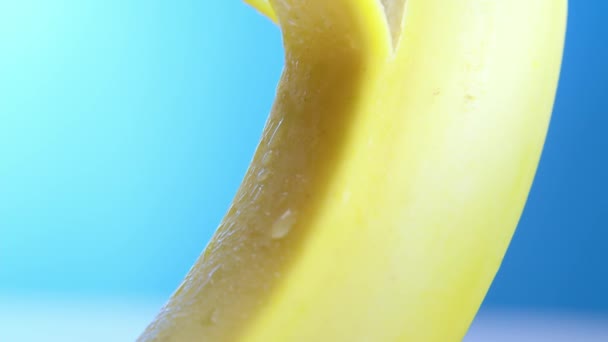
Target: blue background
point(126, 128)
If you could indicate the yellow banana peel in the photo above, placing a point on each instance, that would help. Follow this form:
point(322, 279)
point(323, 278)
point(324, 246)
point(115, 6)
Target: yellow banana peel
point(390, 177)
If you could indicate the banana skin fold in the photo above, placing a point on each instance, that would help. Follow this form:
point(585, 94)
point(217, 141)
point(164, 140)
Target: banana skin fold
point(391, 174)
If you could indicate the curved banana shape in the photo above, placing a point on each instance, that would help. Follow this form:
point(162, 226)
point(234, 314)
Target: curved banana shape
point(390, 177)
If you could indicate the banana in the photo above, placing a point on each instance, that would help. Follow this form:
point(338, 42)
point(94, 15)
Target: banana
point(390, 176)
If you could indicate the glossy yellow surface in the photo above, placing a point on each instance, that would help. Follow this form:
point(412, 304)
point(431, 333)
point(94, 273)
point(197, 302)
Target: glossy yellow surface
point(391, 175)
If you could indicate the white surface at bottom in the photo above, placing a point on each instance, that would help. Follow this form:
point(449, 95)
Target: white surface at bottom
point(537, 327)
point(121, 320)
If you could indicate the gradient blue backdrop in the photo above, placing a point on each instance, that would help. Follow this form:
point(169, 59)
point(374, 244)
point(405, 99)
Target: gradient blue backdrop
point(126, 126)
